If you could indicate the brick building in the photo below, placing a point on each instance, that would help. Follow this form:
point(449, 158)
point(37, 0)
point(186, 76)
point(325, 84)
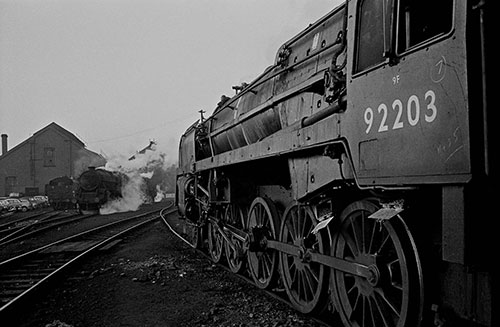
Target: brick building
point(51, 152)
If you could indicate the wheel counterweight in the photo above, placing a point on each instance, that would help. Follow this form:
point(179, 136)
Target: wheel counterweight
point(392, 294)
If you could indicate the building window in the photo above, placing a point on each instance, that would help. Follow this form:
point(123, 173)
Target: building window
point(49, 157)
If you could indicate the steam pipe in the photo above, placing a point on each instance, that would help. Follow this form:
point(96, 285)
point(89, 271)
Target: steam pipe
point(335, 107)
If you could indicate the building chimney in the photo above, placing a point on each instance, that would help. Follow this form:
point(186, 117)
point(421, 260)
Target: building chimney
point(4, 144)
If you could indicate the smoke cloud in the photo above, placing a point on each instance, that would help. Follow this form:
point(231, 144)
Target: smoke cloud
point(148, 179)
point(132, 197)
point(84, 160)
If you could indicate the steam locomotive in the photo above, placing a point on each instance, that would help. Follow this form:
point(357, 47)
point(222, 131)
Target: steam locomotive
point(96, 187)
point(357, 170)
point(61, 193)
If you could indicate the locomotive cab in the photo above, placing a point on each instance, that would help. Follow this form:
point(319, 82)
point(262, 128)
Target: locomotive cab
point(416, 117)
point(406, 60)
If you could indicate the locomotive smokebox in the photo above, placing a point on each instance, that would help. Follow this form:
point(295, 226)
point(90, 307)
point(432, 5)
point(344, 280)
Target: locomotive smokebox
point(90, 179)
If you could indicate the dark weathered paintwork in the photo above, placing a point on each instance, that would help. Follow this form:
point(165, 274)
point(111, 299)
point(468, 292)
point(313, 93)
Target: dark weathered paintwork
point(322, 129)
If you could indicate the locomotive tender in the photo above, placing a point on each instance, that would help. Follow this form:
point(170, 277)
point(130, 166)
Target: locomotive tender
point(356, 171)
point(96, 187)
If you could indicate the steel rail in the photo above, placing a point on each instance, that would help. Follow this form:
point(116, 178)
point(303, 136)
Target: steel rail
point(174, 231)
point(6, 225)
point(11, 228)
point(70, 262)
point(12, 237)
point(272, 293)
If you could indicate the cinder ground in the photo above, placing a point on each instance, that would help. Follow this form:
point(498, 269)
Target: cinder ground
point(153, 279)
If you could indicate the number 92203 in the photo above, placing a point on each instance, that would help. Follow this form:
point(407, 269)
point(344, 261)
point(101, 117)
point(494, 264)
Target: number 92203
point(410, 113)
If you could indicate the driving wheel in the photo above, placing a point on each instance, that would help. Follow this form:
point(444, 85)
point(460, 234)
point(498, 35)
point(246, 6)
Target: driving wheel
point(392, 294)
point(305, 282)
point(215, 239)
point(262, 261)
point(234, 217)
point(194, 234)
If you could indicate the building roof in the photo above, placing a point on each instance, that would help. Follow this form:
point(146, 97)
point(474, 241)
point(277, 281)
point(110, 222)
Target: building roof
point(51, 126)
point(60, 130)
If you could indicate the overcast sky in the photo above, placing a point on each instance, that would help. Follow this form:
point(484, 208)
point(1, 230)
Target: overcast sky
point(118, 73)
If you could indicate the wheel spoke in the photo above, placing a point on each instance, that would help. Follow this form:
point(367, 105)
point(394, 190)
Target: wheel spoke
point(260, 216)
point(372, 237)
point(382, 313)
point(388, 303)
point(293, 272)
point(358, 301)
point(303, 220)
point(363, 241)
point(265, 269)
point(310, 281)
point(306, 286)
point(312, 274)
point(267, 263)
point(384, 242)
point(371, 310)
point(355, 237)
point(351, 243)
point(293, 226)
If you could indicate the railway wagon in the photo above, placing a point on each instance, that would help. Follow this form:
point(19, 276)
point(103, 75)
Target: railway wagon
point(61, 193)
point(356, 171)
point(96, 187)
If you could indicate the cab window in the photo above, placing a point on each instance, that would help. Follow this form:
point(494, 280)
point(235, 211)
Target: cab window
point(372, 32)
point(386, 27)
point(421, 20)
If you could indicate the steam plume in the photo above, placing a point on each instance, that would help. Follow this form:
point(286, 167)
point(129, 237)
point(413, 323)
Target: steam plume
point(148, 175)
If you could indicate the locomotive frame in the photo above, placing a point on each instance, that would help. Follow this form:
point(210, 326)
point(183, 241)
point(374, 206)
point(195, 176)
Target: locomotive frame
point(349, 171)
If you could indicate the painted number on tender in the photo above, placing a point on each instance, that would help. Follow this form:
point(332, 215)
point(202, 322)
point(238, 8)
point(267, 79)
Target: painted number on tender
point(409, 113)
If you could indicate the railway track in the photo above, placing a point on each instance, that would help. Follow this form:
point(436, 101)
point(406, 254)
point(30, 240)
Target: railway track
point(278, 292)
point(14, 215)
point(13, 221)
point(15, 231)
point(26, 274)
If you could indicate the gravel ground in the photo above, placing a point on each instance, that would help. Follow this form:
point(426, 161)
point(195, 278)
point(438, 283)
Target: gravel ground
point(151, 278)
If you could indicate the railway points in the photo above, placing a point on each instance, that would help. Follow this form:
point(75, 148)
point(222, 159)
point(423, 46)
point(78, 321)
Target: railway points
point(25, 274)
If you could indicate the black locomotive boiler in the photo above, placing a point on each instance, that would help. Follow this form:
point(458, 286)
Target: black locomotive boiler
point(356, 171)
point(96, 187)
